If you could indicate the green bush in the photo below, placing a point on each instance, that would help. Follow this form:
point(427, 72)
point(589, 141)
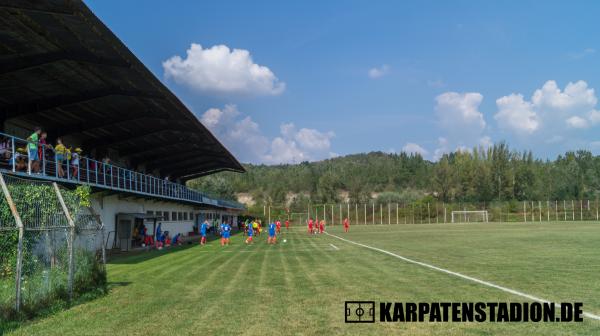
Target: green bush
point(44, 285)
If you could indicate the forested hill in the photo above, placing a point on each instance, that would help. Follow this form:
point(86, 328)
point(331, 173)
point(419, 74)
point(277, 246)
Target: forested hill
point(480, 175)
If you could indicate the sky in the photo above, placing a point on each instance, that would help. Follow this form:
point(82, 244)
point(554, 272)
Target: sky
point(289, 81)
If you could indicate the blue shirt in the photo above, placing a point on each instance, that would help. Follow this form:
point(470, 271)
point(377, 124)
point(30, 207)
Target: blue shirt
point(203, 228)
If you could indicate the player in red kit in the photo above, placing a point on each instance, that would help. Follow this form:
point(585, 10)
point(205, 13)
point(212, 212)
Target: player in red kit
point(346, 225)
point(287, 224)
point(278, 226)
point(321, 226)
point(310, 226)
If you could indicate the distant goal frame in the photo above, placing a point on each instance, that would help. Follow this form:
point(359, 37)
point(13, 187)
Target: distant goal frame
point(460, 213)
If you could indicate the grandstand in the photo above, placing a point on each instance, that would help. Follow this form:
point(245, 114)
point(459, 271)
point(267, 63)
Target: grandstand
point(63, 70)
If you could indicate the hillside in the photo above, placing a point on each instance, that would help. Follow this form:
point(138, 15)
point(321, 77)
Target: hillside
point(480, 175)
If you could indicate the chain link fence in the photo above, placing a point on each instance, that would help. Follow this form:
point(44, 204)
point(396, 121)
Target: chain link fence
point(51, 247)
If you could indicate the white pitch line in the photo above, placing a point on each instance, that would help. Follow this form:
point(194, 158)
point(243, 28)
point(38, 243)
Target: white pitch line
point(466, 277)
point(335, 247)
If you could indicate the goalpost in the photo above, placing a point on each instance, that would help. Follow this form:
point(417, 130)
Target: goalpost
point(465, 216)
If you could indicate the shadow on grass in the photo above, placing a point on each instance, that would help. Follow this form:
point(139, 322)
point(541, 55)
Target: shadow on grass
point(56, 307)
point(138, 256)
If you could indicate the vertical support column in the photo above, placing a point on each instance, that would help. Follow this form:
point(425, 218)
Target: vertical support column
point(580, 209)
point(348, 206)
point(341, 215)
point(70, 240)
point(573, 209)
point(389, 215)
point(540, 207)
point(565, 209)
point(21, 228)
point(548, 208)
point(356, 211)
point(397, 214)
point(373, 213)
point(380, 213)
point(332, 215)
point(365, 213)
point(525, 211)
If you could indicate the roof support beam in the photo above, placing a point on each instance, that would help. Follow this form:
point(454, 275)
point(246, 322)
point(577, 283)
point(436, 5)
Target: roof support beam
point(23, 62)
point(43, 104)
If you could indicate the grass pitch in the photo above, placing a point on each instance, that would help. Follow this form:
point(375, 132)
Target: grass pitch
point(299, 287)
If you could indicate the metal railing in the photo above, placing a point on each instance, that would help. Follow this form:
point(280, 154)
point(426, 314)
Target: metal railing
point(37, 160)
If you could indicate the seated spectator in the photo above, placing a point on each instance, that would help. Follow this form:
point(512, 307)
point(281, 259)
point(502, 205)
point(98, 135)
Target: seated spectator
point(20, 159)
point(177, 240)
point(167, 239)
point(5, 148)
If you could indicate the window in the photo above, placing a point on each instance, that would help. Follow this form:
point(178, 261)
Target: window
point(191, 216)
point(180, 216)
point(173, 216)
point(150, 213)
point(185, 214)
point(166, 216)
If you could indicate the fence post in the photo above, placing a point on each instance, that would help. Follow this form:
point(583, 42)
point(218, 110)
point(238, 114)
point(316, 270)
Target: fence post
point(389, 215)
point(332, 215)
point(548, 207)
point(397, 214)
point(93, 212)
point(573, 208)
point(356, 211)
point(525, 211)
point(71, 236)
point(365, 213)
point(380, 213)
point(580, 209)
point(428, 214)
point(19, 223)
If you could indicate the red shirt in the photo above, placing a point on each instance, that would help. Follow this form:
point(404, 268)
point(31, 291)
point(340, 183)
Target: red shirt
point(278, 223)
point(287, 223)
point(310, 223)
point(346, 223)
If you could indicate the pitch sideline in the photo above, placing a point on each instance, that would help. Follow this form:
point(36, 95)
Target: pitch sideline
point(466, 277)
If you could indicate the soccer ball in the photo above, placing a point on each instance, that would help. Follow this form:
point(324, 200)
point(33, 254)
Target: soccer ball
point(284, 240)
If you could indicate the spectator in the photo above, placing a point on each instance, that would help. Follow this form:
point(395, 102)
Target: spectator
point(75, 162)
point(5, 148)
point(177, 240)
point(61, 154)
point(32, 146)
point(20, 159)
point(43, 146)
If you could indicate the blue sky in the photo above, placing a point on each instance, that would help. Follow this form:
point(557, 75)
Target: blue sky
point(315, 79)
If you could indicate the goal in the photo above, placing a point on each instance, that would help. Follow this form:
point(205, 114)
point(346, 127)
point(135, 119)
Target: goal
point(466, 216)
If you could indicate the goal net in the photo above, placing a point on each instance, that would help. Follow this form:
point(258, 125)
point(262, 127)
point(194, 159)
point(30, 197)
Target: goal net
point(466, 216)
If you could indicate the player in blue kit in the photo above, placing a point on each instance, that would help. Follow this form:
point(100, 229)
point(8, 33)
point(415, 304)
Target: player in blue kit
point(203, 229)
point(226, 233)
point(271, 239)
point(250, 234)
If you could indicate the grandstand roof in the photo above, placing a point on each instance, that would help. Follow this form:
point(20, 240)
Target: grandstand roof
point(63, 69)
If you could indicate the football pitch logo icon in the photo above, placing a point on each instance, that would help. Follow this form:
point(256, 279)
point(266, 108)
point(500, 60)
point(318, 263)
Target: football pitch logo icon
point(360, 312)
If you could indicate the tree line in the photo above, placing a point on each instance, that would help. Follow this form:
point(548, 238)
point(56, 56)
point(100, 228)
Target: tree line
point(489, 174)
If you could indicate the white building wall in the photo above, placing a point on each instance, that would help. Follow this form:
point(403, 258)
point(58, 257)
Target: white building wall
point(109, 207)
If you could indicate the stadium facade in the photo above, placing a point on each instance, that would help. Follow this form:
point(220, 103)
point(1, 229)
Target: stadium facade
point(125, 134)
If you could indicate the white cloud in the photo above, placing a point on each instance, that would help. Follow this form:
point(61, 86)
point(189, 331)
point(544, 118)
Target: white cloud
point(379, 72)
point(581, 54)
point(247, 142)
point(460, 111)
point(577, 122)
point(414, 148)
point(516, 114)
point(442, 148)
point(222, 70)
point(549, 110)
